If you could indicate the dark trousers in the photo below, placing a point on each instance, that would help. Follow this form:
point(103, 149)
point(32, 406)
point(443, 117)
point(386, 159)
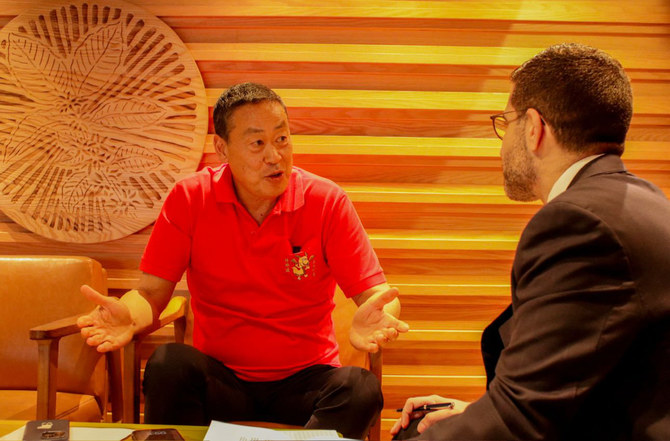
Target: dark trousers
point(184, 386)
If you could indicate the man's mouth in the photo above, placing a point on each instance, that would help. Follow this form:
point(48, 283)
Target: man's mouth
point(275, 175)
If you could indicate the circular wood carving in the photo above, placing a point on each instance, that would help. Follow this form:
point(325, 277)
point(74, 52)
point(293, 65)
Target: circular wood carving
point(102, 109)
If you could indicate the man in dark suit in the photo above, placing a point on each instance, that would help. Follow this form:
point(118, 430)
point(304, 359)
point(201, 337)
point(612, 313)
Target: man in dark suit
point(583, 351)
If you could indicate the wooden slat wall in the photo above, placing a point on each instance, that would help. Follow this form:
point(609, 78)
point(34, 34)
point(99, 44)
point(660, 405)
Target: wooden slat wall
point(391, 100)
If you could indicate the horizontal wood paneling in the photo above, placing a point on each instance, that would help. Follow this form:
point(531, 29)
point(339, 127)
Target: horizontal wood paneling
point(390, 99)
point(647, 11)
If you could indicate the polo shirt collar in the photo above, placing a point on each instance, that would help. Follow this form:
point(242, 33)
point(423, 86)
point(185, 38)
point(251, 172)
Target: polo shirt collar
point(292, 199)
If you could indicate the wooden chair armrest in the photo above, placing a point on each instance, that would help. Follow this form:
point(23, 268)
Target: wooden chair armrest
point(175, 309)
point(56, 329)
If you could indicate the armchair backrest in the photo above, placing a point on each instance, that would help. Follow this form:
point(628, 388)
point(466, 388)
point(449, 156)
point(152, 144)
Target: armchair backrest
point(35, 290)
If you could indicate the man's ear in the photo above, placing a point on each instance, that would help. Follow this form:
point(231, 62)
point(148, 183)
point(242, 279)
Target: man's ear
point(535, 130)
point(221, 148)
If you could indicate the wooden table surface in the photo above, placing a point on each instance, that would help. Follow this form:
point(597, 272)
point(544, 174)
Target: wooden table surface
point(190, 433)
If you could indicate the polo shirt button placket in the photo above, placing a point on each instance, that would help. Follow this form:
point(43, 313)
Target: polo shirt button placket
point(255, 233)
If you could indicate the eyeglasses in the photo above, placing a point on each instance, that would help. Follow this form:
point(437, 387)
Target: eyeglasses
point(500, 123)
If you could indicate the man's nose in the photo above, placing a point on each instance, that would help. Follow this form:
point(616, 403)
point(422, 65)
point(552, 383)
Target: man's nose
point(272, 155)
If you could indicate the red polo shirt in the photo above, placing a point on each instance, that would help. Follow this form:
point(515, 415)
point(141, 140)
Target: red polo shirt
point(262, 296)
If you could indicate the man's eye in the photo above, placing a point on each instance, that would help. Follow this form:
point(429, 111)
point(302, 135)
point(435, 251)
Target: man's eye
point(282, 139)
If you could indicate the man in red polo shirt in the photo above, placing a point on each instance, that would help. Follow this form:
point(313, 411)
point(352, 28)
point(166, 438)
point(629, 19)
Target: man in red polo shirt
point(263, 244)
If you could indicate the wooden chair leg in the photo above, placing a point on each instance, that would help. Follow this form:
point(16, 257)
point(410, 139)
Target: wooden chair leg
point(179, 329)
point(376, 362)
point(375, 433)
point(131, 383)
point(115, 386)
point(47, 374)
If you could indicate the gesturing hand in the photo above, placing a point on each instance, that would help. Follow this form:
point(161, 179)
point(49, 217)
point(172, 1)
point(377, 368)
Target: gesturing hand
point(109, 326)
point(372, 327)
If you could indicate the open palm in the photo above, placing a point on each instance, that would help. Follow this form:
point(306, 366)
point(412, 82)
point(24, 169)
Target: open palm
point(109, 326)
point(372, 327)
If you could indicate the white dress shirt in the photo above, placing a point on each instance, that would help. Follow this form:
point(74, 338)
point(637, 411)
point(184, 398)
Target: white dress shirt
point(568, 175)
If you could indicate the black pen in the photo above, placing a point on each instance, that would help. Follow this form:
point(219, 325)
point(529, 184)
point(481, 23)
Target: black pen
point(429, 407)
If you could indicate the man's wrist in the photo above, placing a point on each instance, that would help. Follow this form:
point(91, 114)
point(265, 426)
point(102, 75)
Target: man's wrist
point(142, 314)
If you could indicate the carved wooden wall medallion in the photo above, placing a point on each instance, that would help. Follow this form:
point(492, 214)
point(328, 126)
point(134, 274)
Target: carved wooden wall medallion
point(102, 109)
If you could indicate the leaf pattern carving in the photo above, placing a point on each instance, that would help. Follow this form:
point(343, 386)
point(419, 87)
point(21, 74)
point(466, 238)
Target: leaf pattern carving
point(75, 189)
point(128, 113)
point(136, 159)
point(36, 67)
point(31, 133)
point(91, 134)
point(97, 58)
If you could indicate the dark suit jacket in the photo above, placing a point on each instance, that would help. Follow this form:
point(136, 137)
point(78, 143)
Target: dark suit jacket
point(583, 352)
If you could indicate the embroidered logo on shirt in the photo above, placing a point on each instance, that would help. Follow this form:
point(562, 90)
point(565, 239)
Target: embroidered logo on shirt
point(300, 265)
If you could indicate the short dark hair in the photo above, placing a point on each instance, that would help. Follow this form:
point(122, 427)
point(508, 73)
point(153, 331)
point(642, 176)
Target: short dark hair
point(236, 96)
point(581, 92)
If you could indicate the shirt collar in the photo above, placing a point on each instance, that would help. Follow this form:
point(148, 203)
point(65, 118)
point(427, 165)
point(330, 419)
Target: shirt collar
point(292, 199)
point(563, 182)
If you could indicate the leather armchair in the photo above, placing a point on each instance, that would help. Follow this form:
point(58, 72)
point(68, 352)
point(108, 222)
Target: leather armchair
point(60, 376)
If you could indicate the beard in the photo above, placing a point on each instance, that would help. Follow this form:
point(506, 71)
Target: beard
point(519, 174)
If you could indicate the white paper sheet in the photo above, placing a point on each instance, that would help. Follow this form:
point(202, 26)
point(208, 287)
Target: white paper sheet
point(219, 431)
